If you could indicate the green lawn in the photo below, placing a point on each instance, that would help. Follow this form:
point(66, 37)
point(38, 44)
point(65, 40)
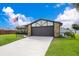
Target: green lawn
point(8, 38)
point(64, 47)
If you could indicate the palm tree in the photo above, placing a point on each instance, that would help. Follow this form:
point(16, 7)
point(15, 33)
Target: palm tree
point(76, 5)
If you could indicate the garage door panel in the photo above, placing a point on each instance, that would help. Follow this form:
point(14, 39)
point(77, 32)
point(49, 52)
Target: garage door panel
point(42, 31)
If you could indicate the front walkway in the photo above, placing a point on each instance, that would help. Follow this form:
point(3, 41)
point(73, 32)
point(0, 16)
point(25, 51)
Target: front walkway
point(30, 46)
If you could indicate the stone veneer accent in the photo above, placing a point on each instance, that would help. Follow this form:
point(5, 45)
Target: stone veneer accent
point(29, 30)
point(56, 29)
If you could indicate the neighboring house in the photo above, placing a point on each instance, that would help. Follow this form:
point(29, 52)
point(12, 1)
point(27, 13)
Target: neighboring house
point(43, 27)
point(22, 30)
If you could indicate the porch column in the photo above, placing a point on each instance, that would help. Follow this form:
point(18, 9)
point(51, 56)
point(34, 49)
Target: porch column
point(29, 30)
point(56, 29)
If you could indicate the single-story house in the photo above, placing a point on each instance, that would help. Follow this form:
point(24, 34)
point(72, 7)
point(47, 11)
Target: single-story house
point(43, 27)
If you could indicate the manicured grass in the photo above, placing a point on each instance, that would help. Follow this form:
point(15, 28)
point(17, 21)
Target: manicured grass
point(8, 38)
point(64, 47)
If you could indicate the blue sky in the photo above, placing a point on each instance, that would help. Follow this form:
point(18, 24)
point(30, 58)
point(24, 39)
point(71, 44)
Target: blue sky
point(48, 11)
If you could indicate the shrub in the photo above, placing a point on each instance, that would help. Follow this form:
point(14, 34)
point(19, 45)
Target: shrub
point(61, 36)
point(69, 34)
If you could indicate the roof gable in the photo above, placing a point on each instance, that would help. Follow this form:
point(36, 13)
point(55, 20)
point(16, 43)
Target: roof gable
point(43, 20)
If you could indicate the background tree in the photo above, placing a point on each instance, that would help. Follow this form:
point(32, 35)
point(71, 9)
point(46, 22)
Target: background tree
point(76, 5)
point(75, 27)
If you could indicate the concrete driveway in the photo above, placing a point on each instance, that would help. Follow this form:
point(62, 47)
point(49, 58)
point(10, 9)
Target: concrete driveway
point(30, 46)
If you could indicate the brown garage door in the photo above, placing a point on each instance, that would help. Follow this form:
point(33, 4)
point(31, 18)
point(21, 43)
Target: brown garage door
point(42, 31)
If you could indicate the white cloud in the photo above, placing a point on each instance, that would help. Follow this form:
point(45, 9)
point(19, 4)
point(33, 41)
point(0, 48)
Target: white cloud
point(69, 17)
point(58, 5)
point(22, 19)
point(8, 10)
